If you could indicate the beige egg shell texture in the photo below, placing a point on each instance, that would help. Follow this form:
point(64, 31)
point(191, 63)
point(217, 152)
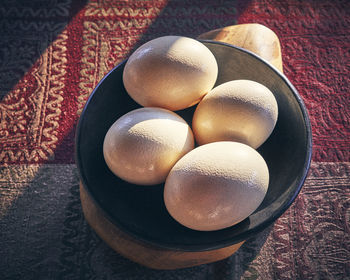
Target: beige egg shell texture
point(241, 110)
point(143, 145)
point(216, 185)
point(171, 72)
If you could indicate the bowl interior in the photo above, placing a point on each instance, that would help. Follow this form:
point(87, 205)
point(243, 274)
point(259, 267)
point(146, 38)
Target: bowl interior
point(140, 210)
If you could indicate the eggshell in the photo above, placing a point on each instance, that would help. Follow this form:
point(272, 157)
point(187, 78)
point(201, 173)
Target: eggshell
point(216, 185)
point(143, 145)
point(171, 72)
point(242, 110)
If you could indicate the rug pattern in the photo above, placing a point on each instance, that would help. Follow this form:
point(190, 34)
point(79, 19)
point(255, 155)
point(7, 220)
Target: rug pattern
point(52, 55)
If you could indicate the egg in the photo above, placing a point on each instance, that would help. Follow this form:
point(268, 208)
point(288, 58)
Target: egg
point(241, 110)
point(216, 185)
point(143, 145)
point(171, 72)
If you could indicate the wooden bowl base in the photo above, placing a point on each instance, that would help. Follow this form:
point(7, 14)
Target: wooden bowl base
point(140, 252)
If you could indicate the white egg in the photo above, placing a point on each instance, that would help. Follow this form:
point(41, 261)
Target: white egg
point(242, 110)
point(143, 145)
point(216, 185)
point(171, 72)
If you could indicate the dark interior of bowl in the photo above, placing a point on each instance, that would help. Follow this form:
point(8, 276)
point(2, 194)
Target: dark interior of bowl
point(140, 210)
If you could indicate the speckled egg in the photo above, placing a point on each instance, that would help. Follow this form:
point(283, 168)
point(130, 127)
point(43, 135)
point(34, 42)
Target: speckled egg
point(241, 110)
point(216, 185)
point(171, 72)
point(143, 145)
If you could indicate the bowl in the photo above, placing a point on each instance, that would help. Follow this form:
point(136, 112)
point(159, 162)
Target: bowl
point(139, 211)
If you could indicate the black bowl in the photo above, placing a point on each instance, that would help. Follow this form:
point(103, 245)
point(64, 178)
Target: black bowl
point(140, 211)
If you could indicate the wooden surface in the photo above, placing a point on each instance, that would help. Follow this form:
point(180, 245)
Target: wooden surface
point(254, 37)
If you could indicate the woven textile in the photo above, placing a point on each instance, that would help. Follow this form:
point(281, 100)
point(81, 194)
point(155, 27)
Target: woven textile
point(53, 53)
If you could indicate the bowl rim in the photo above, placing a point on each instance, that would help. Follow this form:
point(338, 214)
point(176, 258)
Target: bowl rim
point(241, 236)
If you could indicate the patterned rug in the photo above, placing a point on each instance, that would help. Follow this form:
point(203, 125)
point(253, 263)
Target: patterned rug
point(53, 53)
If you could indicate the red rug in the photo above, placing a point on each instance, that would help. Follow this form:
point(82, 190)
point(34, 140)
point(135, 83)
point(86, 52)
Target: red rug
point(52, 55)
